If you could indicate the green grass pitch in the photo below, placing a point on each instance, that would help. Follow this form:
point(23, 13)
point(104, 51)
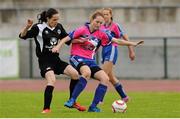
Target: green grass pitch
point(142, 105)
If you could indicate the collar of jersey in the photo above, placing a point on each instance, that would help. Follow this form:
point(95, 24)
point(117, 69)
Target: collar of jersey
point(48, 26)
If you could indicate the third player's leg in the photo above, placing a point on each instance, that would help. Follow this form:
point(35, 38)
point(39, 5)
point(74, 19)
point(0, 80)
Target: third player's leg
point(70, 71)
point(102, 77)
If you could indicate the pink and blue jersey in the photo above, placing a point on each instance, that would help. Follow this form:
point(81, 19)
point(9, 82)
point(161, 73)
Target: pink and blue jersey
point(93, 41)
point(115, 30)
point(110, 52)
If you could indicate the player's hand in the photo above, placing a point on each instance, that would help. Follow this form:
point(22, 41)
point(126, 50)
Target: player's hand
point(139, 43)
point(55, 49)
point(29, 23)
point(132, 55)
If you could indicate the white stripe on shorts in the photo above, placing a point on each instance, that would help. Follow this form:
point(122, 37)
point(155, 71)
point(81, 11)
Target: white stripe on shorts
point(112, 53)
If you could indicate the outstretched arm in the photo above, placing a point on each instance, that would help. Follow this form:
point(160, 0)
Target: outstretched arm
point(80, 40)
point(127, 43)
point(60, 44)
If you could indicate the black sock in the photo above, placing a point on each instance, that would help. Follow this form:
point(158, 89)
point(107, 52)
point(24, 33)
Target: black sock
point(72, 86)
point(48, 96)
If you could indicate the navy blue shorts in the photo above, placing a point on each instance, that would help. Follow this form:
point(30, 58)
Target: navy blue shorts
point(109, 53)
point(77, 62)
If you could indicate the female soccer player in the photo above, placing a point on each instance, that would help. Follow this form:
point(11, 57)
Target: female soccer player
point(82, 57)
point(110, 52)
point(46, 34)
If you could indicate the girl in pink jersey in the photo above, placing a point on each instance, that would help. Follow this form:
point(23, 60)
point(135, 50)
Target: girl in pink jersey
point(110, 52)
point(82, 57)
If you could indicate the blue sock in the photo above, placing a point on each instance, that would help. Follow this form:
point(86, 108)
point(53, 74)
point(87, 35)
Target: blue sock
point(99, 94)
point(120, 90)
point(79, 87)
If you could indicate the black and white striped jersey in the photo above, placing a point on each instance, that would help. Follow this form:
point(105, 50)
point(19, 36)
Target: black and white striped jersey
point(45, 38)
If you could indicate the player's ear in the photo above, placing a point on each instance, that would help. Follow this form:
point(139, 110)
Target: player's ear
point(47, 19)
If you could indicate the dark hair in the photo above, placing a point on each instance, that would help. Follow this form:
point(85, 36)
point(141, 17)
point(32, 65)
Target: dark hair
point(42, 17)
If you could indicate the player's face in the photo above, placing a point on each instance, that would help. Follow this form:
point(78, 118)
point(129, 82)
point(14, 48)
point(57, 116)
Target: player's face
point(107, 16)
point(52, 22)
point(97, 22)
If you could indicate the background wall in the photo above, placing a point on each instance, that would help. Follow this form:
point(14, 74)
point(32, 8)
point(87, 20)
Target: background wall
point(139, 18)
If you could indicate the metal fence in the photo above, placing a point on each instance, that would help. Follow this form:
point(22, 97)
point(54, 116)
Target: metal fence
point(159, 57)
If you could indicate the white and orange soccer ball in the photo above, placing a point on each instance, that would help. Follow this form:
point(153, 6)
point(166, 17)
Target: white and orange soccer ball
point(119, 106)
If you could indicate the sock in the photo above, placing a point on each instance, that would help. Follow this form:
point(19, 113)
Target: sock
point(48, 96)
point(99, 94)
point(79, 88)
point(72, 86)
point(120, 90)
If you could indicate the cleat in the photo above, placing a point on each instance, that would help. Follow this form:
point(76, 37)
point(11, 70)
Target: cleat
point(79, 107)
point(46, 111)
point(126, 99)
point(94, 109)
point(69, 103)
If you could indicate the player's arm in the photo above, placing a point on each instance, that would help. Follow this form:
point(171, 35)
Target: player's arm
point(26, 28)
point(79, 40)
point(126, 43)
point(60, 44)
point(130, 48)
point(26, 32)
point(125, 37)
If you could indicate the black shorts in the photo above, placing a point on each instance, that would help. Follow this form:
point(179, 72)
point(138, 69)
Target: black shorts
point(55, 64)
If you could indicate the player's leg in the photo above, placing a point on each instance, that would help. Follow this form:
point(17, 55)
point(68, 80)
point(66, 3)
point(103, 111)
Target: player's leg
point(47, 72)
point(70, 71)
point(72, 86)
point(84, 70)
point(101, 89)
point(108, 68)
point(85, 75)
point(48, 93)
point(117, 85)
point(109, 56)
point(62, 67)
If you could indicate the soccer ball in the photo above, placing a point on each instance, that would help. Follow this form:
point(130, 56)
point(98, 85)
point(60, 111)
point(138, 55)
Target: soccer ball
point(119, 106)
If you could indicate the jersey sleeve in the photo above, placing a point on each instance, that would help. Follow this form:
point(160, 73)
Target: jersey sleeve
point(33, 32)
point(64, 34)
point(106, 37)
point(76, 33)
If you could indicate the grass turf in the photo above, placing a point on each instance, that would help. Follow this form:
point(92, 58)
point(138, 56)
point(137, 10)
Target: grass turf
point(142, 105)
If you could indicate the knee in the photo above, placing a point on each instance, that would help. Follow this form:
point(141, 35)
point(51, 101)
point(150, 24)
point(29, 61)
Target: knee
point(86, 74)
point(50, 77)
point(74, 75)
point(51, 82)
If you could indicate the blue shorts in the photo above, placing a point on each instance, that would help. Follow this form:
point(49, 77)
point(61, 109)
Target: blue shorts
point(77, 62)
point(109, 53)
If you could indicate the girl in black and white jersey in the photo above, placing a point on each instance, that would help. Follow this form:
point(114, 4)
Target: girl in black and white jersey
point(46, 33)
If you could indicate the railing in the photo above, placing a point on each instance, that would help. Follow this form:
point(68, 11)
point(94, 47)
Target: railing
point(165, 53)
point(165, 50)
